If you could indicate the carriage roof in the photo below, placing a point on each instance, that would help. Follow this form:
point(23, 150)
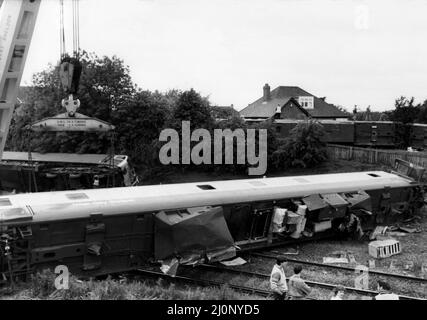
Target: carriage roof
point(47, 206)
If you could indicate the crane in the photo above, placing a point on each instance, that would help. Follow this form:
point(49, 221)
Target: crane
point(17, 21)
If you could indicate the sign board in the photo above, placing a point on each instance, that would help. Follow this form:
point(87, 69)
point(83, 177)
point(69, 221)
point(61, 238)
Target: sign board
point(77, 123)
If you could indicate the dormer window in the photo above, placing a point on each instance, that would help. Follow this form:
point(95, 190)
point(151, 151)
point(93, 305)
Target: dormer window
point(306, 102)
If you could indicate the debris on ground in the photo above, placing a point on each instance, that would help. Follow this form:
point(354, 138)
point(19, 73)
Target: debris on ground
point(412, 219)
point(351, 257)
point(362, 279)
point(293, 251)
point(307, 234)
point(409, 265)
point(396, 234)
point(336, 257)
point(379, 230)
point(371, 263)
point(331, 260)
point(424, 270)
point(384, 248)
point(170, 267)
point(235, 262)
point(392, 266)
point(410, 230)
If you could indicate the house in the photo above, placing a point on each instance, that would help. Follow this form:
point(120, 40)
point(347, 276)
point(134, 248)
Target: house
point(286, 102)
point(222, 113)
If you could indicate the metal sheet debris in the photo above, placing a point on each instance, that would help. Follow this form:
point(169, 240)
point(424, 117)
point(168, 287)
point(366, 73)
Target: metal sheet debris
point(332, 260)
point(170, 267)
point(379, 230)
point(209, 236)
point(235, 262)
point(314, 202)
point(409, 230)
point(359, 201)
point(396, 234)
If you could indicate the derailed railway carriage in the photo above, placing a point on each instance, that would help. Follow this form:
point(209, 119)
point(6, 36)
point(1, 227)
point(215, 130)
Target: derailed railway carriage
point(102, 231)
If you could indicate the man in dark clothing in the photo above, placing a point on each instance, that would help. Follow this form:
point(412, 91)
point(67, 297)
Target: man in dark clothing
point(298, 289)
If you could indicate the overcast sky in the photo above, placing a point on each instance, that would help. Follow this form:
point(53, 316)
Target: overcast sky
point(351, 51)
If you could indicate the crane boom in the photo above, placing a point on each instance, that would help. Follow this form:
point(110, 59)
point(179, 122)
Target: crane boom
point(17, 21)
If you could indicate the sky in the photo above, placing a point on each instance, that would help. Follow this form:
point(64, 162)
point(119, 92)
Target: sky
point(354, 52)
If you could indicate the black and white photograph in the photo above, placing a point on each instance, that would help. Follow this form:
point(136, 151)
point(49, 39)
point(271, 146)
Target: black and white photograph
point(214, 155)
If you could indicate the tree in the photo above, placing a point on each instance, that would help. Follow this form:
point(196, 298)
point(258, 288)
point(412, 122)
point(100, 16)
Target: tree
point(304, 148)
point(190, 106)
point(138, 124)
point(422, 114)
point(405, 111)
point(105, 83)
point(404, 114)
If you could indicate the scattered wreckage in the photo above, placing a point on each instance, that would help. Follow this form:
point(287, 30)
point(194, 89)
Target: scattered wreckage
point(101, 231)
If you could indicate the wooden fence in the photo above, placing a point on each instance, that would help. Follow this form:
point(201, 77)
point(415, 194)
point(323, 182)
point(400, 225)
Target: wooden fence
point(375, 156)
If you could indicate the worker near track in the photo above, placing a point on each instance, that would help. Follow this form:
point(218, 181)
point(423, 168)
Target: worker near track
point(338, 293)
point(278, 279)
point(351, 226)
point(384, 290)
point(298, 289)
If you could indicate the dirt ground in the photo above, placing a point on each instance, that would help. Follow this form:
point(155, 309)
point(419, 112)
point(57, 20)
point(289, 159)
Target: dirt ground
point(409, 262)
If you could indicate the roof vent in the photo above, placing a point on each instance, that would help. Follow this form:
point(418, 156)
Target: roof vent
point(5, 202)
point(373, 175)
point(205, 187)
point(76, 196)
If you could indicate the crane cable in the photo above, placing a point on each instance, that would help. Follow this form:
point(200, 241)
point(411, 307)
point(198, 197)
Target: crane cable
point(76, 29)
point(61, 30)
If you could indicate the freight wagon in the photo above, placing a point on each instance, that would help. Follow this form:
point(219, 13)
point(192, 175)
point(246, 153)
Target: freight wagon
point(386, 134)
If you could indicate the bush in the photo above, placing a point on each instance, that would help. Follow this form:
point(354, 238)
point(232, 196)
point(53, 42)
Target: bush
point(304, 148)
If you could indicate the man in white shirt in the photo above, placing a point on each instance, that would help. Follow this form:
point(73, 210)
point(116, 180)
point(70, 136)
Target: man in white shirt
point(384, 292)
point(278, 279)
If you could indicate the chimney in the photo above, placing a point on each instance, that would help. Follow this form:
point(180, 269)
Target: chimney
point(266, 95)
point(278, 112)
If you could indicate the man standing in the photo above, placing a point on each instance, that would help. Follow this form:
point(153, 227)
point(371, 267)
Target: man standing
point(278, 279)
point(384, 292)
point(298, 289)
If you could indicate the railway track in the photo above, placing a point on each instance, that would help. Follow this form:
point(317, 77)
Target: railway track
point(205, 282)
point(250, 290)
point(342, 268)
point(369, 293)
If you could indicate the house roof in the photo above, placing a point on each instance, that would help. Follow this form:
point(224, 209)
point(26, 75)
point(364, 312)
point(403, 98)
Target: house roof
point(281, 95)
point(223, 112)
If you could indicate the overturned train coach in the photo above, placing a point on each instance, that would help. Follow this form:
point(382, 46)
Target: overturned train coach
point(101, 231)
